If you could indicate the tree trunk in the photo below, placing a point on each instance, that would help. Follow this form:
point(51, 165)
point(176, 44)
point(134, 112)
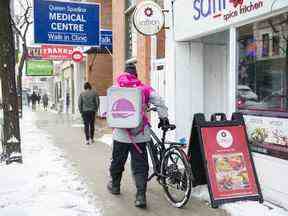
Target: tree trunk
point(12, 141)
point(19, 77)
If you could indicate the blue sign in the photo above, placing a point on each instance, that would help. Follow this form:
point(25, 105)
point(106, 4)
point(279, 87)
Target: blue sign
point(70, 23)
point(106, 39)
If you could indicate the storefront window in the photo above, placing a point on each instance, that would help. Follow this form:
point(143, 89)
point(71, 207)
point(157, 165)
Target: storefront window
point(262, 69)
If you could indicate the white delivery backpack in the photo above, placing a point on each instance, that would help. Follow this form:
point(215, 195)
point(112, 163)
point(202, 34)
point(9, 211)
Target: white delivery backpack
point(124, 107)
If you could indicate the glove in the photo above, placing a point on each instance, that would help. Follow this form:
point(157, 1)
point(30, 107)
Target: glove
point(163, 122)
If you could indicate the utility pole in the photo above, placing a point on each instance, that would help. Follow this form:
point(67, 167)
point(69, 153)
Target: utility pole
point(11, 140)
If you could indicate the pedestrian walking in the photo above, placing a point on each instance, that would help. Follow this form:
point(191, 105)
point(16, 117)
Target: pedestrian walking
point(88, 105)
point(34, 99)
point(134, 140)
point(28, 99)
point(67, 102)
point(45, 101)
point(38, 98)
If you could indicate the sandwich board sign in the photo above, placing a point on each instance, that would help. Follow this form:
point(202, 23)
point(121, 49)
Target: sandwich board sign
point(220, 156)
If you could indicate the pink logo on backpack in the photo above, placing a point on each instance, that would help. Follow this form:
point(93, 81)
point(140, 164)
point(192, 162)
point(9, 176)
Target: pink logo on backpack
point(129, 80)
point(123, 108)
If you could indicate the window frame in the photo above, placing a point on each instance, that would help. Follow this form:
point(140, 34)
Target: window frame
point(271, 55)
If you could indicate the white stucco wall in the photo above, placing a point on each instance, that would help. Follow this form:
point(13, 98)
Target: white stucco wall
point(189, 85)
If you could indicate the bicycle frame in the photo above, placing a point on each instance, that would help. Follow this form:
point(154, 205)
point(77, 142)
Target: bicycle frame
point(155, 161)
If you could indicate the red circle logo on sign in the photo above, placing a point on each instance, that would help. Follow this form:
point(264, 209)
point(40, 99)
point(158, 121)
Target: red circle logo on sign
point(77, 56)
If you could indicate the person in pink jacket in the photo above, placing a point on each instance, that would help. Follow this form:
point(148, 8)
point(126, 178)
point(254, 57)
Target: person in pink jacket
point(134, 141)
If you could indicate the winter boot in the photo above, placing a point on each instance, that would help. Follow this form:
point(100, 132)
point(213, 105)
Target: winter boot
point(115, 190)
point(141, 184)
point(113, 185)
point(140, 201)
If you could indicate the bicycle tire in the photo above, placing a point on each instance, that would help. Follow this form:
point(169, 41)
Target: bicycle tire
point(168, 176)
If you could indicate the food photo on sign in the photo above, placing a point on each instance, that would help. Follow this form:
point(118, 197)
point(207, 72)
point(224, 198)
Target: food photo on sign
point(231, 172)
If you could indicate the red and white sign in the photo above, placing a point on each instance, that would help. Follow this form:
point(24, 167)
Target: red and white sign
point(229, 162)
point(54, 52)
point(77, 56)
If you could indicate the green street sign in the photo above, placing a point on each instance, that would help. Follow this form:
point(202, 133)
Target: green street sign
point(39, 68)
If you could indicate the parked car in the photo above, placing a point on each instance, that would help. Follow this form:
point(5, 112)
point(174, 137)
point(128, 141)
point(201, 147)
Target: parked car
point(246, 98)
point(246, 92)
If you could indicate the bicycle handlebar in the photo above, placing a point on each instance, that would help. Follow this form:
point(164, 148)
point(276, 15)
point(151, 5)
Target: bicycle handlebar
point(169, 127)
point(165, 127)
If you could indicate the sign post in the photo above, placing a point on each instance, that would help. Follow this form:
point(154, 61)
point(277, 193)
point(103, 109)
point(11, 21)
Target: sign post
point(71, 23)
point(220, 156)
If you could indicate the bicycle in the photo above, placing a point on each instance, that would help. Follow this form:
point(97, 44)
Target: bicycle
point(166, 158)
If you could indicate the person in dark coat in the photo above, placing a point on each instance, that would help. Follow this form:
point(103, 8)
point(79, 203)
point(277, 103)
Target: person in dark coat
point(34, 99)
point(45, 100)
point(88, 105)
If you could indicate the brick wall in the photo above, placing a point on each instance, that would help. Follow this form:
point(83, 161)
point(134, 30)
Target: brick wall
point(143, 44)
point(99, 69)
point(99, 72)
point(118, 28)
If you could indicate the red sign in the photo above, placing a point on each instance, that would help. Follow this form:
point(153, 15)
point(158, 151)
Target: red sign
point(229, 162)
point(34, 53)
point(77, 56)
point(55, 52)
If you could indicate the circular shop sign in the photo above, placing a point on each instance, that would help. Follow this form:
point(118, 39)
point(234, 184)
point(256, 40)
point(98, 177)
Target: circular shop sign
point(77, 56)
point(148, 18)
point(224, 138)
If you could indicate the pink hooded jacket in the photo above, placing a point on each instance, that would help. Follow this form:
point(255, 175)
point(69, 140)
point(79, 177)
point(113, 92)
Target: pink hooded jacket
point(129, 80)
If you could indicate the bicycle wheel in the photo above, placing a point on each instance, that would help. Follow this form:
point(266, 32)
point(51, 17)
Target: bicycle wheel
point(176, 177)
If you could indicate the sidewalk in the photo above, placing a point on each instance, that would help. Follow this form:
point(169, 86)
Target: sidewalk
point(46, 183)
point(92, 162)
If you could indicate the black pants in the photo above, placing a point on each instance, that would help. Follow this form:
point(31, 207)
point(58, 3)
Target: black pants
point(89, 122)
point(139, 164)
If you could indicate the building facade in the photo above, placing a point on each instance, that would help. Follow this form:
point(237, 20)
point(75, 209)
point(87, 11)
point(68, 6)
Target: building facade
point(232, 56)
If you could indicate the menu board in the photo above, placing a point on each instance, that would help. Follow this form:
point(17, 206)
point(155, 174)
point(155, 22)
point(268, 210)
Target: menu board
point(228, 162)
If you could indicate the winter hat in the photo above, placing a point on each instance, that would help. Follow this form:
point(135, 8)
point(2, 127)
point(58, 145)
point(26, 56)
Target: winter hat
point(131, 69)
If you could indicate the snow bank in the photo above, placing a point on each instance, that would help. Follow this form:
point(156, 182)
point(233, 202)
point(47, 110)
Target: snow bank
point(46, 183)
point(243, 208)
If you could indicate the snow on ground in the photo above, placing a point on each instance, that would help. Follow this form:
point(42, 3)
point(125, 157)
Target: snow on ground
point(46, 183)
point(243, 208)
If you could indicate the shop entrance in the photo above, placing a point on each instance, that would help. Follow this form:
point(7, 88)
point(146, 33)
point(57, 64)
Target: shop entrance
point(215, 54)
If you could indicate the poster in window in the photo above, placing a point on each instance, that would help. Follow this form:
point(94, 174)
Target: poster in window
point(268, 135)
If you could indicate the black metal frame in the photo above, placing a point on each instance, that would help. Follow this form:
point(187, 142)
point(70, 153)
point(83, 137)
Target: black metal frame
point(237, 120)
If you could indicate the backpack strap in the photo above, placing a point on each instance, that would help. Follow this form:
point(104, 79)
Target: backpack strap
point(134, 144)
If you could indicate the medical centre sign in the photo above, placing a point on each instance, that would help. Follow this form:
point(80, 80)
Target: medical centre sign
point(72, 23)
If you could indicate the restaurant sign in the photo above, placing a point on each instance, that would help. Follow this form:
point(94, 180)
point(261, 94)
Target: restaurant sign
point(209, 16)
